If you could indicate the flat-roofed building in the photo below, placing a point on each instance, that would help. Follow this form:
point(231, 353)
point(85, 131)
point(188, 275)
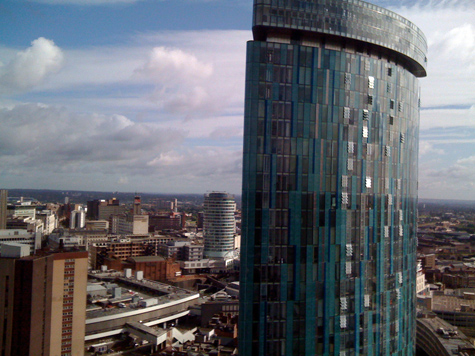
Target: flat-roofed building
point(167, 221)
point(129, 224)
point(155, 268)
point(49, 219)
point(161, 303)
point(97, 225)
point(105, 211)
point(124, 247)
point(43, 303)
point(22, 209)
point(32, 239)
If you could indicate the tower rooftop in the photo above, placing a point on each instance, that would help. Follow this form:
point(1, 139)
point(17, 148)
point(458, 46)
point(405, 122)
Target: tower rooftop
point(354, 24)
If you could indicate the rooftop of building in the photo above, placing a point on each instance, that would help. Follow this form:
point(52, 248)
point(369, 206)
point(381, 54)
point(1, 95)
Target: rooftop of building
point(132, 288)
point(359, 23)
point(448, 335)
point(454, 303)
point(74, 252)
point(146, 259)
point(157, 332)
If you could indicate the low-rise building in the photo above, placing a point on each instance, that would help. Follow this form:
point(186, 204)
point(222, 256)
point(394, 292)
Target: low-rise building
point(436, 337)
point(156, 268)
point(32, 239)
point(109, 318)
point(166, 221)
point(129, 224)
point(97, 225)
point(124, 247)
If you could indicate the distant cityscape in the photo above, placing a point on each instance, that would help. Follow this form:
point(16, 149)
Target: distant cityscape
point(135, 276)
point(326, 251)
point(140, 275)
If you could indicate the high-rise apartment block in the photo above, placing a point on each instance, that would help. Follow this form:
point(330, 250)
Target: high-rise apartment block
point(218, 224)
point(42, 303)
point(328, 261)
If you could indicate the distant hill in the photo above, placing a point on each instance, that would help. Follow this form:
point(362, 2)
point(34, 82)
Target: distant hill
point(438, 205)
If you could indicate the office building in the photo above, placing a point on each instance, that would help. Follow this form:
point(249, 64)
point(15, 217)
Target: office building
point(24, 209)
point(93, 209)
point(25, 223)
point(31, 239)
point(328, 262)
point(49, 219)
point(97, 225)
point(3, 208)
point(108, 208)
point(218, 224)
point(43, 303)
point(167, 221)
point(77, 219)
point(129, 224)
point(137, 209)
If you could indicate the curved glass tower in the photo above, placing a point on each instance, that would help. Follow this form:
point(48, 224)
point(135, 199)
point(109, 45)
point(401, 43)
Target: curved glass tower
point(330, 180)
point(219, 224)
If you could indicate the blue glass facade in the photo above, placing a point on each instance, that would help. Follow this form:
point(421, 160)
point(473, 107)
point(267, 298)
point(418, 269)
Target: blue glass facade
point(330, 180)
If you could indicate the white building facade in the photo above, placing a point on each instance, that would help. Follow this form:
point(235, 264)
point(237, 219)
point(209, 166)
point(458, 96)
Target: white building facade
point(24, 237)
point(219, 224)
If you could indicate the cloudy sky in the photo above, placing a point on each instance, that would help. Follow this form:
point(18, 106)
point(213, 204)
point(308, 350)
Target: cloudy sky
point(147, 95)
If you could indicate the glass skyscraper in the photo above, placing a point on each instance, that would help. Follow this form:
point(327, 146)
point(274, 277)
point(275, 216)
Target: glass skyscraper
point(328, 261)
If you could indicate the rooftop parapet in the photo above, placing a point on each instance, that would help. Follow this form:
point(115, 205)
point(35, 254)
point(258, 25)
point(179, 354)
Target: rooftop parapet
point(353, 21)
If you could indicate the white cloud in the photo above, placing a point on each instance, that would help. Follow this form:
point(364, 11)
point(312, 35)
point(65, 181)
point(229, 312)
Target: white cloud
point(206, 168)
point(426, 148)
point(220, 57)
point(448, 181)
point(43, 137)
point(123, 181)
point(153, 81)
point(179, 78)
point(444, 118)
point(93, 67)
point(227, 132)
point(169, 65)
point(180, 74)
point(32, 66)
point(459, 42)
point(450, 30)
point(187, 101)
point(93, 151)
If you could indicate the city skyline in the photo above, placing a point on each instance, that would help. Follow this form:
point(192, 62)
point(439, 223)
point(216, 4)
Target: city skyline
point(148, 96)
